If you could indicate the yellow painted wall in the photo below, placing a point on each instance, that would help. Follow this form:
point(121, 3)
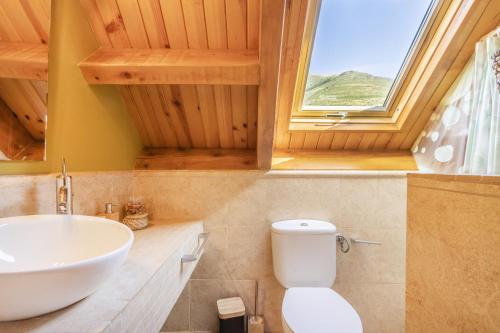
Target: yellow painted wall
point(89, 125)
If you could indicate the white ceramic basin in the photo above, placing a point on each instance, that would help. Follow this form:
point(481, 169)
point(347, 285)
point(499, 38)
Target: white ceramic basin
point(48, 262)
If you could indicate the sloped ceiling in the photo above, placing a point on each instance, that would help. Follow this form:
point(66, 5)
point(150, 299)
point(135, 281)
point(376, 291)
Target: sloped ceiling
point(186, 116)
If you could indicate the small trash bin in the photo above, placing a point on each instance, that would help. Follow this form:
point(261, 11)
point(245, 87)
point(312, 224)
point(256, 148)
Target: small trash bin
point(231, 315)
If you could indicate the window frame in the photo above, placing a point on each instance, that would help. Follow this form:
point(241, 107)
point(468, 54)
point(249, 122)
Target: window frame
point(328, 116)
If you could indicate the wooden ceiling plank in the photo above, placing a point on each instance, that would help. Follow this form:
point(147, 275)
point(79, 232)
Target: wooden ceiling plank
point(271, 31)
point(215, 17)
point(13, 94)
point(311, 140)
point(153, 22)
point(160, 111)
point(173, 18)
point(252, 109)
point(353, 141)
point(169, 66)
point(133, 110)
point(113, 23)
point(197, 35)
point(368, 141)
point(36, 10)
point(236, 20)
point(21, 22)
point(325, 141)
point(141, 99)
point(14, 138)
point(253, 23)
point(96, 21)
point(224, 115)
point(41, 88)
point(24, 61)
point(208, 111)
point(32, 97)
point(196, 159)
point(8, 32)
point(194, 17)
point(171, 96)
point(134, 25)
point(297, 140)
point(240, 116)
point(191, 107)
point(381, 141)
point(205, 115)
point(339, 140)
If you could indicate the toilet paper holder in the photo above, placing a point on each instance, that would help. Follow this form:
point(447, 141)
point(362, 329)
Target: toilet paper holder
point(345, 245)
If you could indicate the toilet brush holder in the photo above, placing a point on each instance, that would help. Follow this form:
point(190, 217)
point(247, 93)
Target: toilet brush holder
point(256, 324)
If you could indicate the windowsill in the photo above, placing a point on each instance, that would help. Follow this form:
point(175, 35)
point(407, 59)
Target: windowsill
point(344, 160)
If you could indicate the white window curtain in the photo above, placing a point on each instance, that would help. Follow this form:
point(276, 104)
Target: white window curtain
point(463, 134)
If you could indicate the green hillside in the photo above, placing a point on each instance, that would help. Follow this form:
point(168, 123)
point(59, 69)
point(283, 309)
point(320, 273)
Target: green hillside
point(347, 89)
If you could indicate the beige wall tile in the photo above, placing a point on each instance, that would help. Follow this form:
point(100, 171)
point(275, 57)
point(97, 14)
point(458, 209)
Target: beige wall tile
point(248, 253)
point(24, 195)
point(213, 263)
point(292, 198)
point(238, 208)
point(367, 263)
point(271, 295)
point(380, 306)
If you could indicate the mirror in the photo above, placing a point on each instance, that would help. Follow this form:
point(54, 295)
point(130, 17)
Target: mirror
point(24, 51)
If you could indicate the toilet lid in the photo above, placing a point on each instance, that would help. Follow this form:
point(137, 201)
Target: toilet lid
point(319, 310)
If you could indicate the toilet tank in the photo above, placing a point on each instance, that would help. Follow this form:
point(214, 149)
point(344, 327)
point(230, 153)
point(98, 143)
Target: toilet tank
point(304, 253)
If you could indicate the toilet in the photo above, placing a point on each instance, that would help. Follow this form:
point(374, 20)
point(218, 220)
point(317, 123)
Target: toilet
point(304, 261)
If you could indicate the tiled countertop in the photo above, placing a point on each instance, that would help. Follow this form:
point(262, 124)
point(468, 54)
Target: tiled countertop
point(136, 298)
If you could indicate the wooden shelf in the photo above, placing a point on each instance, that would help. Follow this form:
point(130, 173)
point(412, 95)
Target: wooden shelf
point(196, 159)
point(343, 160)
point(24, 61)
point(123, 66)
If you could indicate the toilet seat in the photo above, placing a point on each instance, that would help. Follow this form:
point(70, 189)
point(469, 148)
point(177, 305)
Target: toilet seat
point(318, 310)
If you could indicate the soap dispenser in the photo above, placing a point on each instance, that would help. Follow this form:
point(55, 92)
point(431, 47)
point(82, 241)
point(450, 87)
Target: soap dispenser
point(108, 212)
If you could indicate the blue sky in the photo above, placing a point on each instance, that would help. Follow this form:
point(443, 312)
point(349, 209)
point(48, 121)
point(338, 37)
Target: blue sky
point(371, 36)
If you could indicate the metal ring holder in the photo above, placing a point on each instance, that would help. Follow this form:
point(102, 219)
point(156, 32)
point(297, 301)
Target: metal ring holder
point(345, 246)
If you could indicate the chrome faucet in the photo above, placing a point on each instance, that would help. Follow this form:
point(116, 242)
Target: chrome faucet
point(64, 193)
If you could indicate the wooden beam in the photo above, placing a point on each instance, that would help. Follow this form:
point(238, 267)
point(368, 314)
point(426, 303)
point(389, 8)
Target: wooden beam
point(196, 159)
point(343, 160)
point(24, 61)
point(171, 66)
point(271, 33)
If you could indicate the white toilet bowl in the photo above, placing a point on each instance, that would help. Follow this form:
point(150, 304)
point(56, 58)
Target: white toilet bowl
point(318, 310)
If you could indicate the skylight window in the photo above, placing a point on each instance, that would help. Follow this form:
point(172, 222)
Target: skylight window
point(360, 51)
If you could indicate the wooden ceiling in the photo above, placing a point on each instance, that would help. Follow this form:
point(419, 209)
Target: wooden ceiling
point(187, 115)
point(24, 37)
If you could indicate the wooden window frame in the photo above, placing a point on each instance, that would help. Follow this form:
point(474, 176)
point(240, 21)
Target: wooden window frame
point(384, 119)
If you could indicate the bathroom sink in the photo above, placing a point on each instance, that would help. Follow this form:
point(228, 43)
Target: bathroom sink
point(48, 262)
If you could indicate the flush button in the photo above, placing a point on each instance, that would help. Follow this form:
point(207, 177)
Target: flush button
point(304, 224)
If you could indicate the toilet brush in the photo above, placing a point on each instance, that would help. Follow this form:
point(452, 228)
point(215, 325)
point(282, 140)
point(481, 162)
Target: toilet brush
point(256, 322)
